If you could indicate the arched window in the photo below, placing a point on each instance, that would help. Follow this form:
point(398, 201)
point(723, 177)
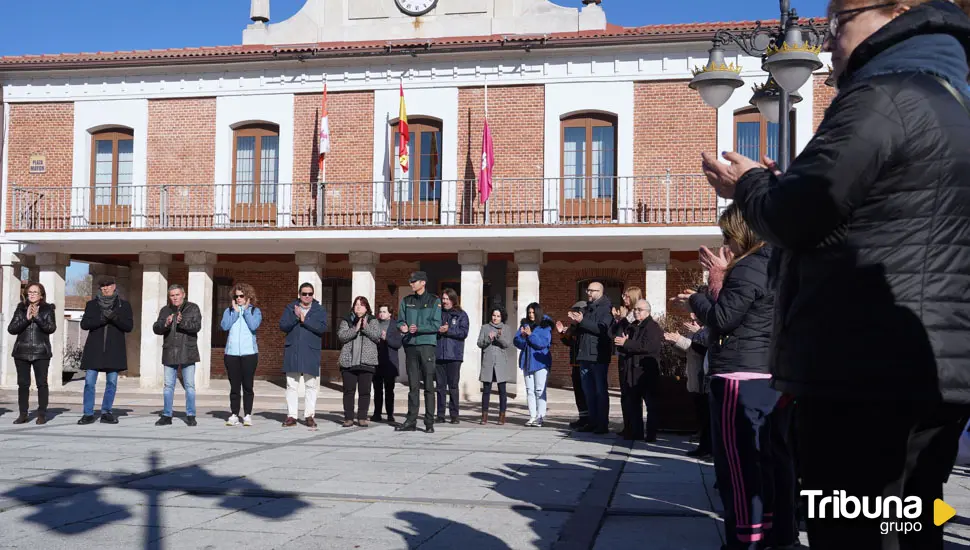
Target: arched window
point(588, 165)
point(112, 169)
point(755, 137)
point(255, 172)
point(417, 192)
point(612, 289)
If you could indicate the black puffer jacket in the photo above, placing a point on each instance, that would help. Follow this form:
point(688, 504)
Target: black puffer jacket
point(33, 335)
point(595, 340)
point(740, 320)
point(874, 220)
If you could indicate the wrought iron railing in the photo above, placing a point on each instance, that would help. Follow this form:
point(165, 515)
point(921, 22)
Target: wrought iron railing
point(514, 202)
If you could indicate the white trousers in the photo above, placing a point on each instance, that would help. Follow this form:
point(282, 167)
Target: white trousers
point(309, 400)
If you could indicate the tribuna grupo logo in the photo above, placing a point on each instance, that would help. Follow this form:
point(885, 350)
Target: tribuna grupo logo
point(899, 513)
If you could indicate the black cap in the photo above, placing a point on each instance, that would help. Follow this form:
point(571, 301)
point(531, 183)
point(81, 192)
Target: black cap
point(578, 306)
point(106, 280)
point(418, 276)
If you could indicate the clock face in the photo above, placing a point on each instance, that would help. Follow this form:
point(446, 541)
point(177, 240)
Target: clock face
point(416, 7)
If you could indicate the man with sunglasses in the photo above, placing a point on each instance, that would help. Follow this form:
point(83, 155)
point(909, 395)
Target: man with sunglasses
point(304, 322)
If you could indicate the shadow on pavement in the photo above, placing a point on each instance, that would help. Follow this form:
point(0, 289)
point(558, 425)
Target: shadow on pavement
point(84, 508)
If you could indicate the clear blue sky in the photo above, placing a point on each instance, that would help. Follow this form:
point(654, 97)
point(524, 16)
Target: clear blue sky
point(67, 26)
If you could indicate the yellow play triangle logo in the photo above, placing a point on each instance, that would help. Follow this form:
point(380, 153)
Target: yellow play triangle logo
point(942, 512)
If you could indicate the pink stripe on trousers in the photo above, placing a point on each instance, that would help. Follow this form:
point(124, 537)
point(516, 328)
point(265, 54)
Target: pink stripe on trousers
point(728, 434)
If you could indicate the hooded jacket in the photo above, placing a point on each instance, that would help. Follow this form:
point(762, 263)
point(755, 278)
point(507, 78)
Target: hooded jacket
point(872, 224)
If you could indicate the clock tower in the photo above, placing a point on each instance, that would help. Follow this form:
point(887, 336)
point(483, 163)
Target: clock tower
point(369, 20)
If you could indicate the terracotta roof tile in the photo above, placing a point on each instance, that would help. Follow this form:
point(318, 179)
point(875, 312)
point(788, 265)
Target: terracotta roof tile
point(683, 31)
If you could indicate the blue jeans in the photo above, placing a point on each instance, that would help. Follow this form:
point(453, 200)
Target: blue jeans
point(597, 393)
point(111, 386)
point(188, 384)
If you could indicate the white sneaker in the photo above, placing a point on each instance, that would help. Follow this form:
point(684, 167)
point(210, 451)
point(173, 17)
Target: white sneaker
point(531, 422)
point(538, 423)
point(232, 421)
point(248, 420)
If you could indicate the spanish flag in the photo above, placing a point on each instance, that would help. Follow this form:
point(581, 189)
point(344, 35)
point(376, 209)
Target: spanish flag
point(403, 149)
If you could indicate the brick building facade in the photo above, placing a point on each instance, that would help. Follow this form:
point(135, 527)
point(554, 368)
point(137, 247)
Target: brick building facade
point(597, 141)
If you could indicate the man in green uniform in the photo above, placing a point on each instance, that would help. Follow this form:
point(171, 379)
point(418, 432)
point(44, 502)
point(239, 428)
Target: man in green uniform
point(419, 318)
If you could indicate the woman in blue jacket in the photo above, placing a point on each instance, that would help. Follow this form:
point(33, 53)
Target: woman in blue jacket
point(241, 320)
point(534, 338)
point(450, 353)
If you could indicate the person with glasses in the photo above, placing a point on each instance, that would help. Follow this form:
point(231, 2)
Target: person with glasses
point(304, 322)
point(107, 319)
point(870, 226)
point(179, 323)
point(33, 323)
point(595, 350)
point(241, 357)
point(640, 346)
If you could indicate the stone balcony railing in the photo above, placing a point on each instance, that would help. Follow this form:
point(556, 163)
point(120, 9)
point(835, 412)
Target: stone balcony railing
point(666, 200)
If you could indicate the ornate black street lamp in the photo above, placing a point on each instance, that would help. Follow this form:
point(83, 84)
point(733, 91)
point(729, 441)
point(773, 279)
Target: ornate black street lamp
point(788, 55)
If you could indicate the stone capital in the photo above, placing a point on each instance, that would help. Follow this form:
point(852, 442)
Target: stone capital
point(656, 256)
point(154, 258)
point(528, 257)
point(310, 258)
point(10, 254)
point(472, 258)
point(200, 258)
point(52, 259)
point(364, 258)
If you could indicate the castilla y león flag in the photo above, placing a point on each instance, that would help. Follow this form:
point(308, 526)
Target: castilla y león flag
point(403, 149)
point(324, 138)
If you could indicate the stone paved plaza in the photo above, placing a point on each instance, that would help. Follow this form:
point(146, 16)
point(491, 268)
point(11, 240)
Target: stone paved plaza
point(468, 486)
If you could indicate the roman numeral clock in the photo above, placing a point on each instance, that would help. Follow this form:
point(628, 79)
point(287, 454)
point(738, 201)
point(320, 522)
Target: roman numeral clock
point(416, 7)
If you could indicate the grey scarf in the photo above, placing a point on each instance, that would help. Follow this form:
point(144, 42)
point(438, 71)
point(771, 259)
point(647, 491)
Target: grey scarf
point(107, 303)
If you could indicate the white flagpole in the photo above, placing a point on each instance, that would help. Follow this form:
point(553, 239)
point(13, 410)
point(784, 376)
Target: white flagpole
point(322, 176)
point(483, 143)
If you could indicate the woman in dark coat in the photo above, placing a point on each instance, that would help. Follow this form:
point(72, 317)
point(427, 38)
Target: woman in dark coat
point(755, 479)
point(33, 322)
point(107, 318)
point(450, 353)
point(870, 227)
point(387, 365)
point(304, 322)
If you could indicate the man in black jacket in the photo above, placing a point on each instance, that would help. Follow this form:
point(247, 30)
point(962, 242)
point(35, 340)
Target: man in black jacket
point(871, 227)
point(595, 349)
point(640, 348)
point(179, 324)
point(108, 319)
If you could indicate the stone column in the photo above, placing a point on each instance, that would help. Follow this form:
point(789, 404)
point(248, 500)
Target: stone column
point(123, 276)
point(9, 299)
point(154, 296)
point(53, 270)
point(133, 340)
point(311, 266)
point(201, 267)
point(528, 262)
point(656, 261)
point(472, 300)
point(363, 266)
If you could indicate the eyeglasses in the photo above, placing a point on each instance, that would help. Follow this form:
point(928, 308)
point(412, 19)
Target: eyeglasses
point(840, 16)
point(640, 309)
point(238, 296)
point(306, 294)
